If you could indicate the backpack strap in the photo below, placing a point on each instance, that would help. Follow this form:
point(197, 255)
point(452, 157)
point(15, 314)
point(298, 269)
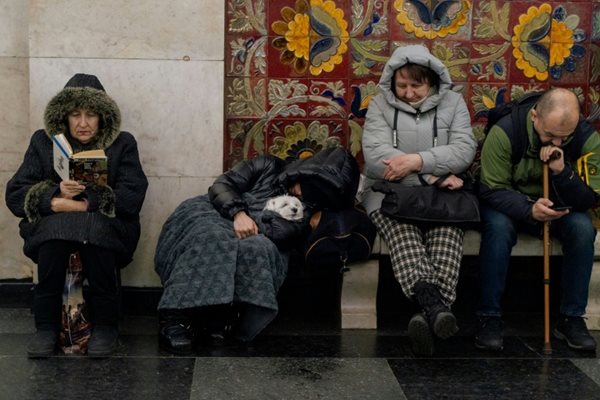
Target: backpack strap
point(514, 125)
point(582, 133)
point(520, 138)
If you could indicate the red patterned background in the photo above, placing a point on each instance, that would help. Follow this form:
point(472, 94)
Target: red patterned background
point(299, 74)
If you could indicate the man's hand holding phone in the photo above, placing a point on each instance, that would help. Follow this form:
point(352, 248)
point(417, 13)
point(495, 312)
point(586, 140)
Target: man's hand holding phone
point(561, 208)
point(542, 210)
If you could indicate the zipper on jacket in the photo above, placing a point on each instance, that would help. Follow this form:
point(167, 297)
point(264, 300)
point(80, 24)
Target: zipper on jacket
point(87, 226)
point(418, 118)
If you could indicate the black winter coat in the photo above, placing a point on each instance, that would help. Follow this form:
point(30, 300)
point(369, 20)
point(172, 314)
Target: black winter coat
point(112, 220)
point(268, 176)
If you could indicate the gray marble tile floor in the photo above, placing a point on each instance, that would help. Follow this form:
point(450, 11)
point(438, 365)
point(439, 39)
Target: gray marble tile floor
point(311, 361)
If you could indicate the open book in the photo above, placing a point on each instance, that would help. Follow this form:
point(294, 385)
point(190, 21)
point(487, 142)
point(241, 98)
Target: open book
point(86, 166)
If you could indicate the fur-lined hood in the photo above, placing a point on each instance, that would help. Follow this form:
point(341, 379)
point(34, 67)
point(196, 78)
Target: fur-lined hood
point(96, 100)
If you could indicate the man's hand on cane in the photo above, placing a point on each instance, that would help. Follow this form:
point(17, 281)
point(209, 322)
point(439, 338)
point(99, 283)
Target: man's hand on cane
point(552, 157)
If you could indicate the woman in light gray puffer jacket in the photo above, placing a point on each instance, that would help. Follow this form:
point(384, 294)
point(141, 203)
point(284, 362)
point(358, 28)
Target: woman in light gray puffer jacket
point(425, 259)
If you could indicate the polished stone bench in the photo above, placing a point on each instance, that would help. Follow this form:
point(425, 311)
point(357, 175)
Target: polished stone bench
point(359, 291)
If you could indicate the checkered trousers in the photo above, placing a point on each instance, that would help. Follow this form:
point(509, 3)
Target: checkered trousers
point(431, 255)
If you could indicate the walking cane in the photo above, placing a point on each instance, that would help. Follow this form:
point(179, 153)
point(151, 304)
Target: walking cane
point(547, 346)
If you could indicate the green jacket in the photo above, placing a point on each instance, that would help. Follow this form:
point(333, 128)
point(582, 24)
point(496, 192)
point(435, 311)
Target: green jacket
point(512, 189)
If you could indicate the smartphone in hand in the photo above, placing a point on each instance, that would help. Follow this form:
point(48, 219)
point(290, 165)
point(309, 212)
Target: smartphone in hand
point(561, 208)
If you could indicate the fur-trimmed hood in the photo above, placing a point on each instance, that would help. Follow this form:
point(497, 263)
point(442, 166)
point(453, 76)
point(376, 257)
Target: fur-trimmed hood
point(96, 100)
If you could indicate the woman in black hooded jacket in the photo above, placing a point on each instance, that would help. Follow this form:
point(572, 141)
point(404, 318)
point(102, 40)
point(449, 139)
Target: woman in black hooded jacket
point(60, 218)
point(220, 249)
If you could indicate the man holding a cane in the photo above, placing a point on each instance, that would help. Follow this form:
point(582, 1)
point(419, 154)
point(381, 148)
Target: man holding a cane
point(511, 193)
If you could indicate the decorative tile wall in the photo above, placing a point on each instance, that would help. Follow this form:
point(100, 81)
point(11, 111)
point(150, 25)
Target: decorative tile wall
point(300, 73)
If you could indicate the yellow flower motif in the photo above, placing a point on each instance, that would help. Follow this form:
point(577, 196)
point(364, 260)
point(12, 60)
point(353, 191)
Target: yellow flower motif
point(488, 102)
point(328, 37)
point(528, 61)
point(298, 142)
point(315, 40)
point(430, 22)
point(485, 98)
point(328, 13)
point(291, 134)
point(295, 54)
point(561, 43)
point(541, 42)
point(297, 35)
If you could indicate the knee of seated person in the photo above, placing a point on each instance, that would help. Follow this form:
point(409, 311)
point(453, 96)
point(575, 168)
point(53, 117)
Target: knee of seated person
point(495, 222)
point(579, 225)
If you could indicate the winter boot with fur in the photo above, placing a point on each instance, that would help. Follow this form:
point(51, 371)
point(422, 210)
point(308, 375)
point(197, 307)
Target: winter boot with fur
point(438, 315)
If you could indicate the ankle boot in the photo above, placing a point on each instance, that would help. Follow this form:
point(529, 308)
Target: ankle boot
point(104, 341)
point(175, 333)
point(216, 324)
point(419, 333)
point(440, 318)
point(43, 343)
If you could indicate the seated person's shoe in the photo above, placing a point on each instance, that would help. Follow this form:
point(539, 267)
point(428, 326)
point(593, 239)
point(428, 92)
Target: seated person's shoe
point(489, 334)
point(574, 331)
point(444, 325)
point(176, 338)
point(215, 338)
point(441, 320)
point(421, 338)
point(104, 341)
point(42, 344)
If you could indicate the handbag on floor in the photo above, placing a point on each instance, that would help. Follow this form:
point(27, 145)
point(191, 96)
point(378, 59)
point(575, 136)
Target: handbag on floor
point(339, 238)
point(76, 329)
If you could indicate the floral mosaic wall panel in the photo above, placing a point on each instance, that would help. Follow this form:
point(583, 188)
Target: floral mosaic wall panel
point(300, 73)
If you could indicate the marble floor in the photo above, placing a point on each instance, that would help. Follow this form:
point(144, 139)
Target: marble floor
point(301, 358)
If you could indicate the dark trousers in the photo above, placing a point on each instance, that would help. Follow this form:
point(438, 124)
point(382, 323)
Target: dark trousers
point(99, 267)
point(576, 234)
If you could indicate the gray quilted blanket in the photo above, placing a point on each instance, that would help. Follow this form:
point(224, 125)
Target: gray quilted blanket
point(201, 262)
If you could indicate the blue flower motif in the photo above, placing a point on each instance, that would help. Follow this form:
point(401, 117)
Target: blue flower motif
point(578, 51)
point(332, 96)
point(578, 35)
point(555, 72)
point(559, 13)
point(498, 68)
point(369, 29)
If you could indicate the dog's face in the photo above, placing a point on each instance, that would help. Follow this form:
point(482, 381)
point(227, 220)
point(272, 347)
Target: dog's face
point(289, 207)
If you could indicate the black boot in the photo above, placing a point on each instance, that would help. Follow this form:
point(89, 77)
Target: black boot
point(440, 318)
point(43, 343)
point(489, 334)
point(419, 333)
point(104, 341)
point(216, 323)
point(175, 333)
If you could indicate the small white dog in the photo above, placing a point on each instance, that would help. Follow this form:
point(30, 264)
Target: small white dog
point(288, 207)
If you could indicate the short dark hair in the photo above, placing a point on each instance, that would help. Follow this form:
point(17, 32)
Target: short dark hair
point(419, 73)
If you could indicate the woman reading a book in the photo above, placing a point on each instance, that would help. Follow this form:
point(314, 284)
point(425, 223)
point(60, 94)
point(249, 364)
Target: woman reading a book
point(222, 262)
point(63, 217)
